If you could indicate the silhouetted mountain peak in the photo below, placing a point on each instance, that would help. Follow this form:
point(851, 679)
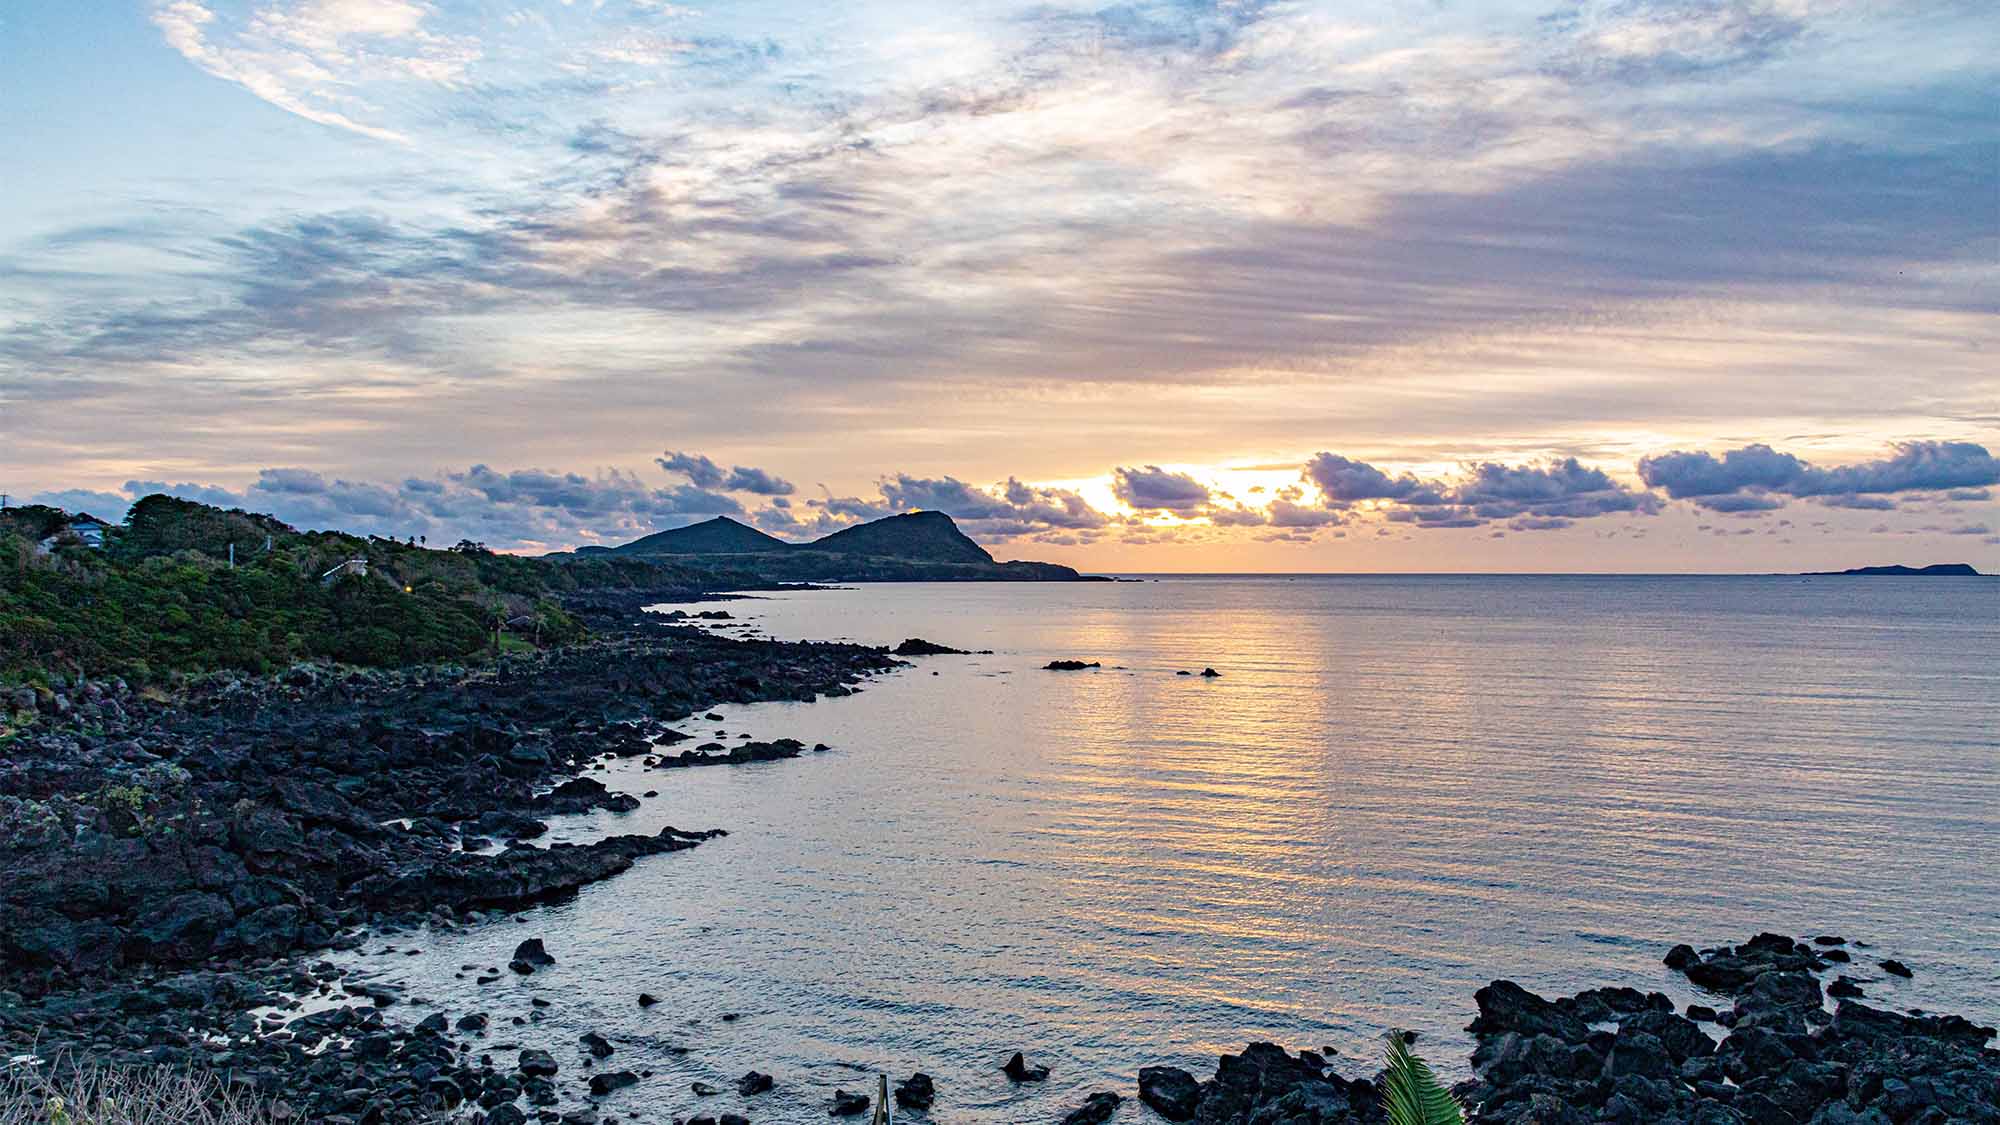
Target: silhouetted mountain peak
point(719, 536)
point(923, 536)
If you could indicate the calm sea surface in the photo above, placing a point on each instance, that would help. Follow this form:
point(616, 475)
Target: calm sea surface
point(1399, 789)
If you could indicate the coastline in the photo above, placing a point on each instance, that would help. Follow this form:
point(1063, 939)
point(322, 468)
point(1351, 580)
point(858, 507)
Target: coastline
point(577, 700)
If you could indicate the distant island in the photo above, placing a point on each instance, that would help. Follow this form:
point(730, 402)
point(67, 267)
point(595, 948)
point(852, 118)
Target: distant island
point(1935, 570)
point(912, 547)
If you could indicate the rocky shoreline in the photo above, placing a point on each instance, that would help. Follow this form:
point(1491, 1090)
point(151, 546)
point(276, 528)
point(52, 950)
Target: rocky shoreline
point(167, 867)
point(168, 871)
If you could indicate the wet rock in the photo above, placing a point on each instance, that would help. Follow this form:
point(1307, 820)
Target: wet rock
point(537, 1062)
point(847, 1105)
point(1209, 673)
point(529, 956)
point(1844, 988)
point(609, 1081)
point(1895, 968)
point(917, 646)
point(1095, 1110)
point(1172, 1092)
point(753, 1083)
point(1017, 1068)
point(597, 1045)
point(1069, 665)
point(916, 1092)
point(704, 1090)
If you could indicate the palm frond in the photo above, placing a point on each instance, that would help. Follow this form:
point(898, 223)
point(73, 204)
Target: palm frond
point(1410, 1092)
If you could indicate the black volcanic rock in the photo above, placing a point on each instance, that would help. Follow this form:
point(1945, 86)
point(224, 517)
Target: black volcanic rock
point(607, 1081)
point(916, 1092)
point(1095, 1110)
point(1017, 1068)
point(917, 646)
point(1170, 1091)
point(1069, 665)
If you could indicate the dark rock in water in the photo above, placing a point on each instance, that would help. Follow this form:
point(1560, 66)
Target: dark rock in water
point(1783, 1061)
point(753, 1083)
point(1210, 673)
point(608, 1081)
point(596, 1044)
point(647, 999)
point(1170, 1091)
point(1844, 988)
point(732, 1119)
point(917, 646)
point(1069, 665)
point(1896, 968)
point(916, 1092)
point(1183, 672)
point(529, 956)
point(1829, 939)
point(1838, 956)
point(537, 1062)
point(1017, 1068)
point(1267, 1084)
point(1701, 1013)
point(1681, 956)
point(1095, 1110)
point(1507, 1007)
point(716, 754)
point(506, 1113)
point(476, 1021)
point(704, 1090)
point(847, 1105)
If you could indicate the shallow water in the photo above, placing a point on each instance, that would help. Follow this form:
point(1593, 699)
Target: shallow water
point(1399, 789)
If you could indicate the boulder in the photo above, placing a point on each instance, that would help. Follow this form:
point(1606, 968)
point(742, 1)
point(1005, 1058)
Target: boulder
point(1172, 1092)
point(1095, 1110)
point(916, 1092)
point(1017, 1068)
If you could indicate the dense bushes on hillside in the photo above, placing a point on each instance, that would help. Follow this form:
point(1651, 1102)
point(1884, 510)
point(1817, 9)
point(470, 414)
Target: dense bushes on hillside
point(162, 597)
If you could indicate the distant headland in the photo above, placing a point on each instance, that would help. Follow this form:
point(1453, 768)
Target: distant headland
point(1935, 570)
point(924, 546)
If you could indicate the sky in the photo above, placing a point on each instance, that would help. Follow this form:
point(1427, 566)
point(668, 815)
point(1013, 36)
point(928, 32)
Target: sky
point(1520, 285)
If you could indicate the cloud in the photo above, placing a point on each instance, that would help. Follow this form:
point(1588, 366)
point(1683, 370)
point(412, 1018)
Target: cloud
point(1540, 496)
point(1757, 477)
point(704, 473)
point(308, 58)
point(104, 505)
point(1342, 480)
point(522, 508)
point(1155, 489)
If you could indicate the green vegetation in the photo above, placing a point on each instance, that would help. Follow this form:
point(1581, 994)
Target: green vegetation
point(1410, 1092)
point(162, 596)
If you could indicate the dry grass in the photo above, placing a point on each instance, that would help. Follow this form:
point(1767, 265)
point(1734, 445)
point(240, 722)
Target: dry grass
point(86, 1095)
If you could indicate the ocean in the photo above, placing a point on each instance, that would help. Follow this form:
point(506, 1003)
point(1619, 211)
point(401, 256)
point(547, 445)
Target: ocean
point(1397, 790)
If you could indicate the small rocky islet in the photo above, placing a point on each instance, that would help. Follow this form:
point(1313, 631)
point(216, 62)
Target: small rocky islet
point(170, 870)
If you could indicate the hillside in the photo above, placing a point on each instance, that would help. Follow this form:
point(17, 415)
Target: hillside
point(719, 536)
point(916, 536)
point(912, 547)
point(161, 597)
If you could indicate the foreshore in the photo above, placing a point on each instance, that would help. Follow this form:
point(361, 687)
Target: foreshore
point(172, 870)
